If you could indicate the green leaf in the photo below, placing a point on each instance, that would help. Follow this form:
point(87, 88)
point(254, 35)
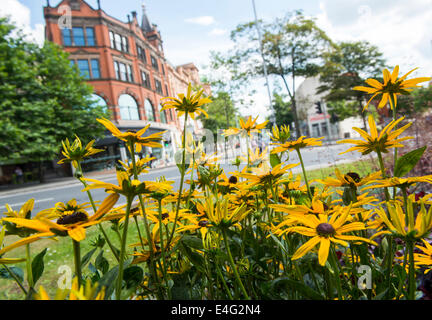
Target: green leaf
point(306, 291)
point(133, 276)
point(274, 160)
point(101, 263)
point(196, 259)
point(87, 257)
point(408, 161)
point(38, 265)
point(18, 272)
point(192, 242)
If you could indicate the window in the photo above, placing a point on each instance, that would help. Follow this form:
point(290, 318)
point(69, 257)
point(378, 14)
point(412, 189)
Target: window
point(83, 66)
point(125, 44)
point(166, 90)
point(163, 69)
point(90, 37)
point(145, 79)
point(123, 71)
point(112, 39)
point(154, 63)
point(162, 115)
point(141, 54)
point(128, 108)
point(78, 36)
point(148, 107)
point(98, 101)
point(117, 42)
point(158, 87)
point(67, 37)
point(95, 69)
point(130, 73)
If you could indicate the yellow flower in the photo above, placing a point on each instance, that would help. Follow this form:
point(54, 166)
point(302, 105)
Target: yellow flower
point(16, 244)
point(349, 179)
point(378, 143)
point(190, 104)
point(316, 207)
point(391, 88)
point(88, 291)
point(246, 127)
point(72, 219)
point(399, 182)
point(324, 230)
point(281, 135)
point(136, 138)
point(221, 214)
point(298, 144)
point(265, 176)
point(255, 157)
point(424, 258)
point(75, 152)
point(403, 224)
point(141, 166)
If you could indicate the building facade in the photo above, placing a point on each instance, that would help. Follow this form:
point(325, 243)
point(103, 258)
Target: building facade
point(125, 64)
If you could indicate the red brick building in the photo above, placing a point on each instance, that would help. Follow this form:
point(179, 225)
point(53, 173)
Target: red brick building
point(125, 64)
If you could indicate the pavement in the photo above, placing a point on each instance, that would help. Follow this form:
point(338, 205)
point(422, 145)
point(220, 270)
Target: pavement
point(62, 190)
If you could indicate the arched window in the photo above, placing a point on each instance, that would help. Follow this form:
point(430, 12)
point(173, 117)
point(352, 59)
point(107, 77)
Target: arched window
point(128, 107)
point(98, 101)
point(149, 110)
point(162, 115)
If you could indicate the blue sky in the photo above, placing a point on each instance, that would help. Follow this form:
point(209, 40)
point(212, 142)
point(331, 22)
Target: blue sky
point(192, 28)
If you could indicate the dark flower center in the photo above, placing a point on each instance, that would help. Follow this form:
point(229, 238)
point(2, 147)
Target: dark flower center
point(325, 229)
point(131, 131)
point(233, 180)
point(203, 223)
point(354, 176)
point(164, 216)
point(75, 217)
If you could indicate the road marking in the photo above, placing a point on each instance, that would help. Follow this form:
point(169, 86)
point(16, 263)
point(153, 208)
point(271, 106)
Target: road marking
point(20, 204)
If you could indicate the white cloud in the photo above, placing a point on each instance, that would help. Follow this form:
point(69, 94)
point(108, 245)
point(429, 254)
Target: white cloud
point(20, 15)
point(203, 20)
point(401, 29)
point(218, 32)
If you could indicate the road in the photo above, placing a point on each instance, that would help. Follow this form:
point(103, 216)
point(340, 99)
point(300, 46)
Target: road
point(46, 196)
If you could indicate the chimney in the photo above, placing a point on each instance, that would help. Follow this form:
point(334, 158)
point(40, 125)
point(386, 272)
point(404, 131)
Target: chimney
point(134, 14)
point(99, 5)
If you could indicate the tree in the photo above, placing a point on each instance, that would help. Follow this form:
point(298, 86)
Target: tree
point(347, 66)
point(282, 111)
point(292, 47)
point(416, 103)
point(43, 100)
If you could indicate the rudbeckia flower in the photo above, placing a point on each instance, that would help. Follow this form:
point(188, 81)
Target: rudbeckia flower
point(246, 127)
point(325, 230)
point(399, 182)
point(282, 135)
point(255, 157)
point(298, 144)
point(222, 214)
point(75, 152)
point(88, 291)
point(140, 165)
point(136, 138)
point(349, 179)
point(265, 176)
point(391, 88)
point(72, 219)
point(381, 142)
point(402, 223)
point(190, 104)
point(425, 257)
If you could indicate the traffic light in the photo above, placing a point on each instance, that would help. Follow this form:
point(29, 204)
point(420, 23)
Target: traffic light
point(318, 107)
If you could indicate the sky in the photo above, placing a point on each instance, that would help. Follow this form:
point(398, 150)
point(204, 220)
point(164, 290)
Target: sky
point(191, 29)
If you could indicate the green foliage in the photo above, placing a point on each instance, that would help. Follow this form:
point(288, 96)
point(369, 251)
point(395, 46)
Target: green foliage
point(283, 114)
point(222, 113)
point(43, 99)
point(408, 161)
point(419, 101)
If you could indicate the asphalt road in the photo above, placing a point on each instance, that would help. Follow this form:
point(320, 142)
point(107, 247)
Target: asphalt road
point(47, 195)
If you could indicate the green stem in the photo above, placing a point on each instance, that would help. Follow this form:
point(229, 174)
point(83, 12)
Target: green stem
point(123, 249)
point(29, 267)
point(304, 173)
point(164, 266)
point(77, 261)
point(223, 282)
point(183, 172)
point(15, 278)
point(381, 163)
point(233, 266)
point(411, 273)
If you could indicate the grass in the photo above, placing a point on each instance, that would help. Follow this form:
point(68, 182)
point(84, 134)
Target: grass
point(60, 252)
